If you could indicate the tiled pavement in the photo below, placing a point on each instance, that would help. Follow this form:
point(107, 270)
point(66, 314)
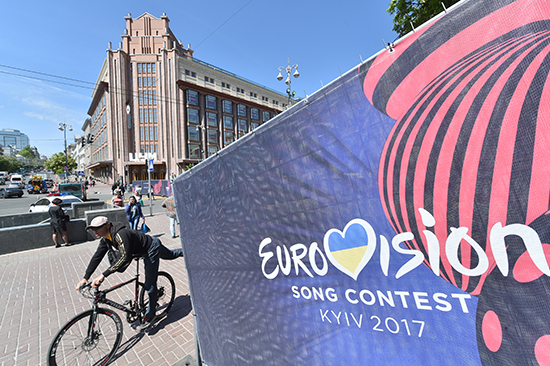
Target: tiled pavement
point(37, 296)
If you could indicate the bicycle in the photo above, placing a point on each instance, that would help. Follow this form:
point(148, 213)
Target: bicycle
point(93, 336)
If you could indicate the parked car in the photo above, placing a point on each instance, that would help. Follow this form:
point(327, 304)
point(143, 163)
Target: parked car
point(11, 192)
point(43, 204)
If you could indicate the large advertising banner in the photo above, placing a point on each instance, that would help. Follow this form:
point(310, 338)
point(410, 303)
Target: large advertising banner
point(398, 216)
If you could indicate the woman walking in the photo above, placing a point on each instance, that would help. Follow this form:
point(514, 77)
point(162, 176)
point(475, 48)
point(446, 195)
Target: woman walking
point(133, 213)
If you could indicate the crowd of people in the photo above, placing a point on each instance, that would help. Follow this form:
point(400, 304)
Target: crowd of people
point(133, 209)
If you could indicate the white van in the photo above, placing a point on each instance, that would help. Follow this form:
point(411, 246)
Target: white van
point(17, 179)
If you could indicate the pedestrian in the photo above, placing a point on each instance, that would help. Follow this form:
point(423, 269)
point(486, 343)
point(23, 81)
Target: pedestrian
point(130, 244)
point(170, 207)
point(114, 187)
point(137, 193)
point(133, 213)
point(117, 199)
point(121, 187)
point(58, 219)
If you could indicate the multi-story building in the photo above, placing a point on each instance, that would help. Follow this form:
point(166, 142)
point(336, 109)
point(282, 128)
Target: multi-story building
point(13, 138)
point(154, 100)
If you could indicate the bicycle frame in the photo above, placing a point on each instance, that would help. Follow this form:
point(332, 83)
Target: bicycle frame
point(100, 296)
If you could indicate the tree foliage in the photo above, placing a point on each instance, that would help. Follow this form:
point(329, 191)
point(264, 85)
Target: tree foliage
point(9, 164)
point(57, 163)
point(27, 152)
point(416, 12)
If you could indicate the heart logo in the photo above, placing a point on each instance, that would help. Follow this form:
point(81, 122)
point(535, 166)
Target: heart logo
point(351, 250)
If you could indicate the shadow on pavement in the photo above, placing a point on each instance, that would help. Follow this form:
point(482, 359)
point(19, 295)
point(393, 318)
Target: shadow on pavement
point(126, 346)
point(181, 308)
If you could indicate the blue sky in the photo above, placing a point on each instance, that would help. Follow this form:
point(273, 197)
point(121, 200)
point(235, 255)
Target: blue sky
point(69, 39)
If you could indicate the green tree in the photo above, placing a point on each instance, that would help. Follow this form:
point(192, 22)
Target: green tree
point(9, 164)
point(27, 152)
point(416, 12)
point(57, 163)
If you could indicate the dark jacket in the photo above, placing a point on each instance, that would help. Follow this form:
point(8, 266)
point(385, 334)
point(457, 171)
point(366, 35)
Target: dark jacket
point(129, 211)
point(130, 243)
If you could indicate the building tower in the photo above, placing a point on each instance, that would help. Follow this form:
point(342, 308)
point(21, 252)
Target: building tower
point(154, 100)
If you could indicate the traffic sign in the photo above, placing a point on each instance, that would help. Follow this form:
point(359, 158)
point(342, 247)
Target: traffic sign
point(150, 165)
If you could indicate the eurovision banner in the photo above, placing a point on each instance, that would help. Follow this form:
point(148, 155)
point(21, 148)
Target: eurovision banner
point(398, 216)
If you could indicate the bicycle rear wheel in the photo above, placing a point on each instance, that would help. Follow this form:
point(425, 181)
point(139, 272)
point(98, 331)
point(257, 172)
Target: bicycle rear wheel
point(73, 345)
point(166, 294)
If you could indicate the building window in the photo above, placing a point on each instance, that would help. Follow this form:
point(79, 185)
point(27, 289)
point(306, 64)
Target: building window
point(227, 106)
point(228, 138)
point(239, 90)
point(212, 150)
point(266, 116)
point(149, 68)
point(241, 110)
point(254, 125)
point(193, 115)
point(139, 67)
point(253, 95)
point(139, 81)
point(193, 134)
point(154, 68)
point(212, 136)
point(210, 102)
point(254, 113)
point(154, 115)
point(194, 151)
point(224, 85)
point(228, 122)
point(154, 97)
point(192, 97)
point(211, 119)
point(242, 125)
point(156, 133)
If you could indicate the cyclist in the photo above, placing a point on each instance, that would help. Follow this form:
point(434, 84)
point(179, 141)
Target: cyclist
point(130, 243)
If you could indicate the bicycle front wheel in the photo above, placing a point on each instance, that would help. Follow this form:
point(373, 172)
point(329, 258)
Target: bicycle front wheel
point(166, 294)
point(87, 339)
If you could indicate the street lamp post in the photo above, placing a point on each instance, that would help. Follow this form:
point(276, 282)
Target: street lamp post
point(288, 70)
point(63, 127)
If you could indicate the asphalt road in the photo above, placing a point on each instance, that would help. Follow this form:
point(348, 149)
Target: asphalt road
point(20, 205)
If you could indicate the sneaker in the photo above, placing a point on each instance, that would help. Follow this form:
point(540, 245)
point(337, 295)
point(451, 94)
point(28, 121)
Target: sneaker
point(146, 323)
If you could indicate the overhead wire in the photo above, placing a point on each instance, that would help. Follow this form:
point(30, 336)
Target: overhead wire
point(117, 90)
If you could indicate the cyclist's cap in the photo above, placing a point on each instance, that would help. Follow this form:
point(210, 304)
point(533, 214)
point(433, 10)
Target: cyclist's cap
point(97, 222)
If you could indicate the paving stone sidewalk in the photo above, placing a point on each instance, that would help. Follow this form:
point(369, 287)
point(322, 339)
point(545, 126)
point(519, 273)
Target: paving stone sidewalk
point(37, 296)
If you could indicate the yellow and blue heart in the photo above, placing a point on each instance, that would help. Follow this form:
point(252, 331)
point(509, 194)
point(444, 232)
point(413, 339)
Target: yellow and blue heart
point(351, 250)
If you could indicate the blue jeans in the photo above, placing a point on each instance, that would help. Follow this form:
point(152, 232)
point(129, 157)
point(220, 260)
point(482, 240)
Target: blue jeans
point(151, 261)
point(134, 223)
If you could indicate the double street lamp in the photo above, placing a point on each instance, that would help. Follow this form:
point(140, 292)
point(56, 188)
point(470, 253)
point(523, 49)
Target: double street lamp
point(288, 70)
point(63, 127)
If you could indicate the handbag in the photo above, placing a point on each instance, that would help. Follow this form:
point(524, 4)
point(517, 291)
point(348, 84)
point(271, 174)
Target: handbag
point(66, 218)
point(145, 229)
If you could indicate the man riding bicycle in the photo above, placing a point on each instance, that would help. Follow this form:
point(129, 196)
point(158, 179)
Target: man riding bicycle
point(130, 243)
